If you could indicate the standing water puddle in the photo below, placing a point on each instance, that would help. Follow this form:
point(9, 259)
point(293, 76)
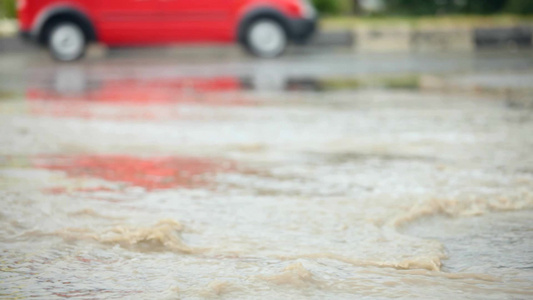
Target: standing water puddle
point(488, 244)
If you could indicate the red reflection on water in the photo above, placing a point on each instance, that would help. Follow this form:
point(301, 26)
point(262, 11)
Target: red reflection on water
point(149, 173)
point(137, 91)
point(55, 190)
point(146, 99)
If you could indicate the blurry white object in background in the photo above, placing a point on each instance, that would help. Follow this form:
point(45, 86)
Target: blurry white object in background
point(8, 27)
point(372, 5)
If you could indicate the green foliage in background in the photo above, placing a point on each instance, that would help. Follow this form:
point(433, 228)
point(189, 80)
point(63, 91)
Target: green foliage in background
point(7, 9)
point(410, 7)
point(520, 7)
point(468, 7)
point(334, 7)
point(435, 7)
point(430, 7)
point(480, 7)
point(327, 6)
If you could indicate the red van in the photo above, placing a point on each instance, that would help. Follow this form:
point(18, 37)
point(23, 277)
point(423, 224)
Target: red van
point(263, 27)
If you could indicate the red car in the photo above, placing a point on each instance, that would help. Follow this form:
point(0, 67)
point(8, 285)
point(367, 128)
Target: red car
point(263, 27)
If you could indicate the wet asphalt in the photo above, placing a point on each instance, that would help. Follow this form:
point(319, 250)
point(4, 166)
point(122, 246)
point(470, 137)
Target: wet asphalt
point(18, 71)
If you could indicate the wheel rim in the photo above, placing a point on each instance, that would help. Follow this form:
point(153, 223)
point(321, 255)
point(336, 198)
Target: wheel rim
point(267, 38)
point(67, 41)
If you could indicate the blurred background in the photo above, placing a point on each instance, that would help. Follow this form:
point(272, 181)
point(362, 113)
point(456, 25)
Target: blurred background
point(392, 7)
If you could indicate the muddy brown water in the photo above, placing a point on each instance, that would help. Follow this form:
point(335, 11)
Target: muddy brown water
point(368, 194)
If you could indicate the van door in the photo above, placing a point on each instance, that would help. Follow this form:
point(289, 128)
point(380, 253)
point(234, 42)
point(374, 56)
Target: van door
point(128, 22)
point(197, 20)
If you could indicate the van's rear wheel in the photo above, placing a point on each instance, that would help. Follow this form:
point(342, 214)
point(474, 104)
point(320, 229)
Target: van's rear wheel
point(266, 38)
point(66, 41)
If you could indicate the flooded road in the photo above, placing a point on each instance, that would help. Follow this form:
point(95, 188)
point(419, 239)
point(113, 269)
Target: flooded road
point(114, 184)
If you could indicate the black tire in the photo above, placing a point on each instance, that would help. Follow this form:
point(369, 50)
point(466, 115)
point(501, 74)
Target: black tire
point(266, 38)
point(66, 41)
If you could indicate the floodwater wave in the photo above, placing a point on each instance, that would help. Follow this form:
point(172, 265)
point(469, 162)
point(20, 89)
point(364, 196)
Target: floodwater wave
point(165, 235)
